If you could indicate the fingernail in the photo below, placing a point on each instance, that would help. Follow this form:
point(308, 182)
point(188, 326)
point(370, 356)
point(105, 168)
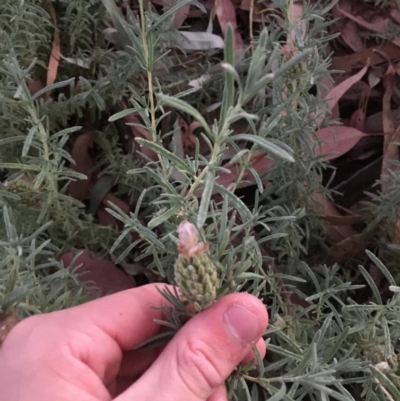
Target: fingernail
point(243, 324)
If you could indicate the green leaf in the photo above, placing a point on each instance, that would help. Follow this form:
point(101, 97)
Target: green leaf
point(279, 395)
point(118, 21)
point(387, 383)
point(100, 189)
point(238, 203)
point(169, 13)
point(258, 60)
point(264, 143)
point(19, 166)
point(332, 352)
point(159, 149)
point(12, 139)
point(121, 114)
point(28, 141)
point(67, 131)
point(372, 284)
point(229, 89)
point(15, 296)
point(205, 198)
point(381, 267)
point(162, 216)
point(57, 85)
point(186, 108)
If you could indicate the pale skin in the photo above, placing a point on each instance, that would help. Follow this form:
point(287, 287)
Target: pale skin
point(85, 353)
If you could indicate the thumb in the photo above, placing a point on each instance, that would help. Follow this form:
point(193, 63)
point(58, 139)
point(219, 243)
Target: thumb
point(204, 352)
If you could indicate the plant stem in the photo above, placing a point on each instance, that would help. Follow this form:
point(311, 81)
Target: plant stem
point(150, 83)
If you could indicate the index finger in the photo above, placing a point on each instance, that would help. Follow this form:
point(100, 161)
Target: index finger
point(127, 316)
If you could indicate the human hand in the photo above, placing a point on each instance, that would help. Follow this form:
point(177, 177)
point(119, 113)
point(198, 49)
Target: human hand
point(85, 353)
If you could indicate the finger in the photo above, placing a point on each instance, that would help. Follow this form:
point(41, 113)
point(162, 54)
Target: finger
point(96, 332)
point(204, 352)
point(262, 349)
point(220, 394)
point(127, 317)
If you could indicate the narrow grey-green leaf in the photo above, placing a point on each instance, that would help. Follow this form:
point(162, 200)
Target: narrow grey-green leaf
point(159, 149)
point(121, 114)
point(372, 284)
point(381, 267)
point(186, 108)
point(162, 217)
point(229, 89)
point(19, 166)
point(332, 352)
point(67, 131)
point(28, 141)
point(238, 203)
point(49, 88)
point(12, 139)
point(264, 143)
point(99, 191)
point(205, 198)
point(174, 9)
point(278, 395)
point(196, 41)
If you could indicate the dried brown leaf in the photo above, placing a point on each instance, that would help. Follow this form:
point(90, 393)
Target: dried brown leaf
point(359, 59)
point(84, 164)
point(8, 320)
point(342, 220)
point(55, 55)
point(349, 248)
point(379, 24)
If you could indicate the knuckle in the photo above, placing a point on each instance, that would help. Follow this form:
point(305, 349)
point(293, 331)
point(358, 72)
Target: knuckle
point(197, 365)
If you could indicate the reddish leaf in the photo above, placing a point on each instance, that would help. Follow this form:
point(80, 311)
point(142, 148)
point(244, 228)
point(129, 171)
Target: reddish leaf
point(296, 15)
point(357, 120)
point(116, 201)
point(259, 163)
point(259, 12)
point(348, 248)
point(55, 55)
point(226, 13)
point(34, 86)
point(343, 220)
point(325, 207)
point(181, 15)
point(357, 60)
point(390, 147)
point(139, 131)
point(336, 141)
point(379, 25)
point(350, 35)
point(103, 273)
point(84, 164)
point(338, 91)
point(387, 118)
point(105, 219)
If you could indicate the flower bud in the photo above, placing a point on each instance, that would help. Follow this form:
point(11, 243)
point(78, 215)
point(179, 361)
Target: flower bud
point(195, 274)
point(189, 240)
